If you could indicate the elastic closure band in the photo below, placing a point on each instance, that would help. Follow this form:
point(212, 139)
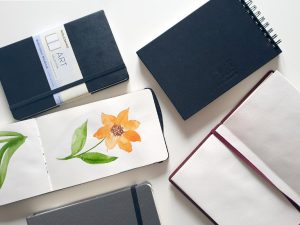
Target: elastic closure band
point(73, 84)
point(136, 206)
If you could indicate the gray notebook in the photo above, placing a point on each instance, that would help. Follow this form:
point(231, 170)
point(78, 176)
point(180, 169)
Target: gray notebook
point(128, 206)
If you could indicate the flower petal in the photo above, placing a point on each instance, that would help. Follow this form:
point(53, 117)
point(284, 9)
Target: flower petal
point(122, 117)
point(131, 125)
point(124, 144)
point(102, 132)
point(132, 136)
point(111, 141)
point(108, 120)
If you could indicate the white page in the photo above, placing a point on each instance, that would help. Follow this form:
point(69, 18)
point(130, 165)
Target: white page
point(259, 164)
point(57, 129)
point(268, 123)
point(26, 174)
point(229, 191)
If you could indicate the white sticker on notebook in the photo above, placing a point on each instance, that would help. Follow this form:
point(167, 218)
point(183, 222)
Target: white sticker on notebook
point(59, 63)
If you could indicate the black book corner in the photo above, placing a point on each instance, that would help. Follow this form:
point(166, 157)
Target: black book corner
point(208, 52)
point(24, 79)
point(129, 206)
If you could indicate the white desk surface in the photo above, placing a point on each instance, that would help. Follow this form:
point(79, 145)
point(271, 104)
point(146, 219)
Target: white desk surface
point(135, 23)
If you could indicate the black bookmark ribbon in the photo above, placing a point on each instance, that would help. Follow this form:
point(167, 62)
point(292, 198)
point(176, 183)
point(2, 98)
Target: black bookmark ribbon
point(136, 205)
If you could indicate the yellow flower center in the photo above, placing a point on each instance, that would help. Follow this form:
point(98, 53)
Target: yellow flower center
point(117, 130)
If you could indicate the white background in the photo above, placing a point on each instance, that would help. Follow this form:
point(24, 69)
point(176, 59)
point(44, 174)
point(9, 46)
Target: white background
point(135, 23)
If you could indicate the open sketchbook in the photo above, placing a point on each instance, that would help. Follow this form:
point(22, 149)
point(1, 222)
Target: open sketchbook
point(249, 160)
point(78, 145)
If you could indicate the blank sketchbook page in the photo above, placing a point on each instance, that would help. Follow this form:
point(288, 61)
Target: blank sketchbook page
point(57, 130)
point(229, 191)
point(207, 53)
point(26, 174)
point(268, 124)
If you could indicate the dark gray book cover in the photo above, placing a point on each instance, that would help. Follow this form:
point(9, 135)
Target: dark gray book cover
point(208, 52)
point(24, 79)
point(129, 206)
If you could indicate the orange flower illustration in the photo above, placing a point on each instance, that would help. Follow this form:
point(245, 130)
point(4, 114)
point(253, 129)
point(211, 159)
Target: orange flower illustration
point(118, 131)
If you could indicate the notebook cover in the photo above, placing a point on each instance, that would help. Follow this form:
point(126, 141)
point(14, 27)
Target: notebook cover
point(24, 80)
point(129, 206)
point(207, 53)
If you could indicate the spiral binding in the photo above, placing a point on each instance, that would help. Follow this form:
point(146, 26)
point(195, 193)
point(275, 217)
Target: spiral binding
point(257, 17)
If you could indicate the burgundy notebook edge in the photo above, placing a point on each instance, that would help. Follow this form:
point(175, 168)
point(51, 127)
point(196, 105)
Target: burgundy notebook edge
point(182, 191)
point(227, 144)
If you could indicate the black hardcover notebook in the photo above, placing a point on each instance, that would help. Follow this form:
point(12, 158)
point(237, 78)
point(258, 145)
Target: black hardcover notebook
point(129, 206)
point(45, 70)
point(208, 52)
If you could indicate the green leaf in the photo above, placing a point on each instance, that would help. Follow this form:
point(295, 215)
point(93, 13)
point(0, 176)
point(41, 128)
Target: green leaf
point(6, 146)
point(79, 138)
point(5, 140)
point(6, 153)
point(10, 133)
point(3, 150)
point(96, 158)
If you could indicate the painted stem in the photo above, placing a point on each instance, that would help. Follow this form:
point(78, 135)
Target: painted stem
point(75, 156)
point(90, 148)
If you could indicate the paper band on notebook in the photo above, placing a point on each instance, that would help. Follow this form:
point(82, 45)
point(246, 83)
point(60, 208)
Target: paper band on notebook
point(59, 63)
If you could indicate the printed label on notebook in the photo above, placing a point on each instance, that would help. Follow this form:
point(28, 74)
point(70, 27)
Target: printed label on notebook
point(59, 63)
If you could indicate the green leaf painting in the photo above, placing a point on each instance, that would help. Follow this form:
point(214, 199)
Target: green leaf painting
point(116, 131)
point(11, 142)
point(79, 138)
point(77, 145)
point(96, 158)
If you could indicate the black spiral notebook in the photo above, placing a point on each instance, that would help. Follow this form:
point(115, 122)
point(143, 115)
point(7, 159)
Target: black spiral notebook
point(129, 206)
point(59, 64)
point(210, 51)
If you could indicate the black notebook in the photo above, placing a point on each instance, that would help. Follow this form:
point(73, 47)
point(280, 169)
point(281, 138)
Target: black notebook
point(48, 69)
point(128, 206)
point(208, 52)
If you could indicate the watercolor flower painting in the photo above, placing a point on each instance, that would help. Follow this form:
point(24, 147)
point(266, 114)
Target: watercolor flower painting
point(11, 142)
point(115, 131)
point(118, 131)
